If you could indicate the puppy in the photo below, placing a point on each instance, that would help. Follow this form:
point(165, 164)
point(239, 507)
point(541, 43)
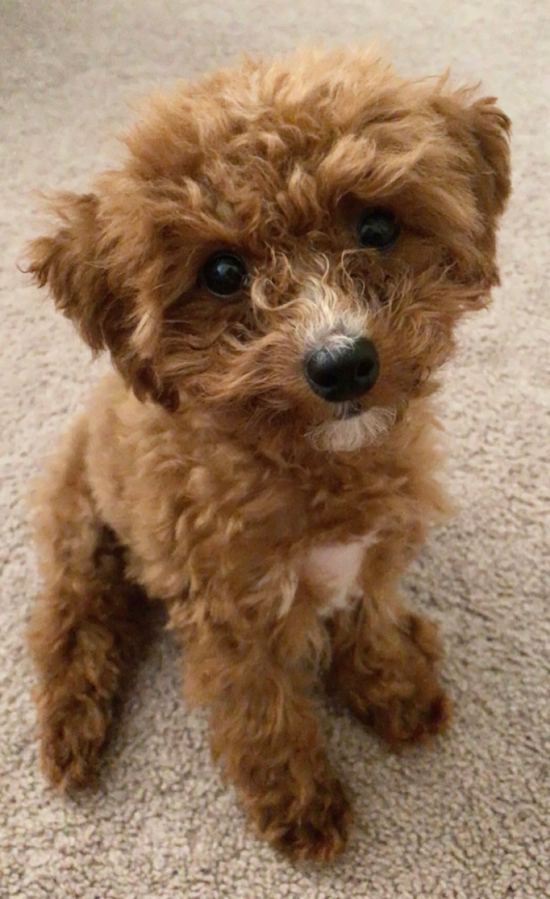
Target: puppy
point(276, 269)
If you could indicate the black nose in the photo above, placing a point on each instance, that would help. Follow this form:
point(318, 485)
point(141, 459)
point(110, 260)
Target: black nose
point(345, 373)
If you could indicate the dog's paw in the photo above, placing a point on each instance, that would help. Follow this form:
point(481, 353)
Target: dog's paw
point(316, 831)
point(416, 718)
point(71, 740)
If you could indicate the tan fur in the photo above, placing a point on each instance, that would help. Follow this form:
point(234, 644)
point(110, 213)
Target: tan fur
point(206, 471)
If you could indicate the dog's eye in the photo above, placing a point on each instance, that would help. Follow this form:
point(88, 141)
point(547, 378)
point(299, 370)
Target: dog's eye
point(377, 228)
point(224, 275)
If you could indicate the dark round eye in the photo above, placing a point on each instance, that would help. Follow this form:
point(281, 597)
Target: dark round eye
point(224, 274)
point(377, 228)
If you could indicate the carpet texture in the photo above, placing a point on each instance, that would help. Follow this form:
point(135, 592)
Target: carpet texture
point(469, 819)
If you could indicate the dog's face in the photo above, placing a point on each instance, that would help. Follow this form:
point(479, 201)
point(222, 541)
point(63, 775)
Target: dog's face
point(288, 244)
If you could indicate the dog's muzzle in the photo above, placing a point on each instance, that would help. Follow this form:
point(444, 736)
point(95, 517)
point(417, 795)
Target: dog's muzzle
point(338, 374)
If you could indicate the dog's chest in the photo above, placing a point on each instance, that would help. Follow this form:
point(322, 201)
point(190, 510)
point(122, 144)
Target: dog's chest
point(332, 570)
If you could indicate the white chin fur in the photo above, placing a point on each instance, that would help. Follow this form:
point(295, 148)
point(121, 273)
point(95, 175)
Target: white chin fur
point(353, 434)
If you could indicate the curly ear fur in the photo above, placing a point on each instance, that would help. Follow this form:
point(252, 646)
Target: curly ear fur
point(483, 130)
point(492, 131)
point(74, 263)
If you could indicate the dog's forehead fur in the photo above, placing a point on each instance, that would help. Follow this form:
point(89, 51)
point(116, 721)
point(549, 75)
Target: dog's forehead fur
point(268, 149)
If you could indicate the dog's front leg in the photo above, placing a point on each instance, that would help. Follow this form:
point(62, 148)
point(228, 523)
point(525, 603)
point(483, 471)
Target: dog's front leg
point(256, 676)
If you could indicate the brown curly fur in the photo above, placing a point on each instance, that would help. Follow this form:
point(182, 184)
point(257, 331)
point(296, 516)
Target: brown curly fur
point(206, 471)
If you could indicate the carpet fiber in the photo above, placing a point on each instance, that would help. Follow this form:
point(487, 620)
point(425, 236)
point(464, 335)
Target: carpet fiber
point(469, 819)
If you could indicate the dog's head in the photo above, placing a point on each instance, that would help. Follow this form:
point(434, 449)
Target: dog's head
point(289, 244)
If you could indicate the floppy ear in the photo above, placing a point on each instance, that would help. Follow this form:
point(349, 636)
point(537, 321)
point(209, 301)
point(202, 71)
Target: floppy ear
point(491, 128)
point(69, 262)
point(483, 130)
point(74, 261)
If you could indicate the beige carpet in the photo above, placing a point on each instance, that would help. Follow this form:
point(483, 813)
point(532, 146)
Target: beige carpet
point(470, 819)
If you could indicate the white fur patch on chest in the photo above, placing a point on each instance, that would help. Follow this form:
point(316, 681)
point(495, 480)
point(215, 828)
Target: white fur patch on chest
point(333, 569)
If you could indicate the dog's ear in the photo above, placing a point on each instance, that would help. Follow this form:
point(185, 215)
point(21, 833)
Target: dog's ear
point(483, 130)
point(75, 262)
point(71, 263)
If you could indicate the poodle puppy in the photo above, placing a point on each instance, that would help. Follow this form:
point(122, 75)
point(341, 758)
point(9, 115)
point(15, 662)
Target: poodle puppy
point(276, 268)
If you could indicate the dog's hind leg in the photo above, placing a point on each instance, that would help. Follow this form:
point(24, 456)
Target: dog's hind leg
point(84, 626)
